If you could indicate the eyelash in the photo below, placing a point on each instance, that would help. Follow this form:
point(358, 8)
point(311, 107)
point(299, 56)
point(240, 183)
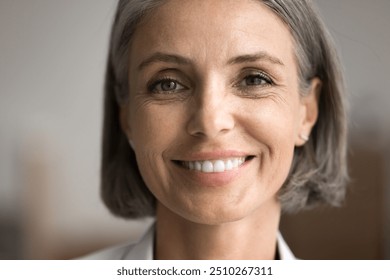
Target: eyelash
point(258, 75)
point(152, 87)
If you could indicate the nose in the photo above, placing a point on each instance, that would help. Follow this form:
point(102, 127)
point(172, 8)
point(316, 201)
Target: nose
point(211, 114)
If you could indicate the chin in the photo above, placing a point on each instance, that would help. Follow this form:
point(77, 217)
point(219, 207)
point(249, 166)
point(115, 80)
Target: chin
point(214, 217)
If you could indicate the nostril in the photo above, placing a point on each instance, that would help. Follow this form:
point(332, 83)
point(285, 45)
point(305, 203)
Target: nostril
point(198, 134)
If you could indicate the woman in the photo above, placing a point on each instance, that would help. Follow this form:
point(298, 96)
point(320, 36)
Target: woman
point(219, 115)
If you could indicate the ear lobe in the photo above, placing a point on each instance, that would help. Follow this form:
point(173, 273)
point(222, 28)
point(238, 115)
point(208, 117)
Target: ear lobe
point(309, 112)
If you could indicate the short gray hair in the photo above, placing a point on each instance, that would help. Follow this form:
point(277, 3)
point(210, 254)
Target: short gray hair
point(319, 170)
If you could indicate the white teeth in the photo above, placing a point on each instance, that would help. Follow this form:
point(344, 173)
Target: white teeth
point(216, 166)
point(198, 166)
point(229, 165)
point(207, 166)
point(235, 163)
point(219, 166)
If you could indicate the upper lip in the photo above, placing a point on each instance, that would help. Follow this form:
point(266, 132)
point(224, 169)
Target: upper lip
point(212, 155)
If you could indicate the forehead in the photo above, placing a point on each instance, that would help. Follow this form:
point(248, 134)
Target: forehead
point(218, 29)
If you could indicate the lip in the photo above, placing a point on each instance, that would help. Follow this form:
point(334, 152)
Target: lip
point(212, 155)
point(214, 179)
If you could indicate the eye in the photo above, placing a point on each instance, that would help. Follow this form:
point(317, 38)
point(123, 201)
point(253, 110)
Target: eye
point(165, 85)
point(258, 79)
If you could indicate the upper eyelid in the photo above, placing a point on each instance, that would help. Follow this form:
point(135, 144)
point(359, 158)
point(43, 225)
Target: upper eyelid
point(252, 71)
point(170, 73)
point(262, 74)
point(263, 70)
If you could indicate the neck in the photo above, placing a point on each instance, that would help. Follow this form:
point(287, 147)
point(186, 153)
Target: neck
point(252, 237)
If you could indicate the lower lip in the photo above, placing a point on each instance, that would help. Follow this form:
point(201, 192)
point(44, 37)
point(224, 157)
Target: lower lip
point(214, 179)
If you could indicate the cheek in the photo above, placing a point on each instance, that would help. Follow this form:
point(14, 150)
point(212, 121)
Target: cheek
point(154, 131)
point(154, 126)
point(272, 126)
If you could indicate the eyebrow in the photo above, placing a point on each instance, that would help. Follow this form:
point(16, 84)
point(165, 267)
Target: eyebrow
point(255, 57)
point(181, 60)
point(163, 57)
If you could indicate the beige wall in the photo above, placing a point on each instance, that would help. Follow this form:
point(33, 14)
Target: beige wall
point(360, 29)
point(52, 59)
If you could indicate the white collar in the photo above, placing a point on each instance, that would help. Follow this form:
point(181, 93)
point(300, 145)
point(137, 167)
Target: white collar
point(284, 251)
point(143, 249)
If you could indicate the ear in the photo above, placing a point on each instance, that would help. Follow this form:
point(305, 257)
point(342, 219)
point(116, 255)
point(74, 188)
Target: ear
point(308, 112)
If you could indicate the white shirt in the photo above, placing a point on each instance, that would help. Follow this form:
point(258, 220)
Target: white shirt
point(143, 249)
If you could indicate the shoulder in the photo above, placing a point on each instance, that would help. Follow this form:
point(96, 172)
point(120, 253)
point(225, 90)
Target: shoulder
point(140, 250)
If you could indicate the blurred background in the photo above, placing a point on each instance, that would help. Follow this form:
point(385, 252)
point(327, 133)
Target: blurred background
point(52, 60)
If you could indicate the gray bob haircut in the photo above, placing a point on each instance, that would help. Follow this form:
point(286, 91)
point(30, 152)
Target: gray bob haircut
point(319, 170)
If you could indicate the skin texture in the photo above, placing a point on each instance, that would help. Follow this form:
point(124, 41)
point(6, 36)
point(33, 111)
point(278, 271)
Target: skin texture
point(210, 80)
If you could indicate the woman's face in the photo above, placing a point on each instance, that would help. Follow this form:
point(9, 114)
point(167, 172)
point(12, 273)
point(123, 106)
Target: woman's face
point(215, 109)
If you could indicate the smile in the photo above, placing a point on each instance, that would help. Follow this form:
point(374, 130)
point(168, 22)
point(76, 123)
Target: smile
point(215, 166)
